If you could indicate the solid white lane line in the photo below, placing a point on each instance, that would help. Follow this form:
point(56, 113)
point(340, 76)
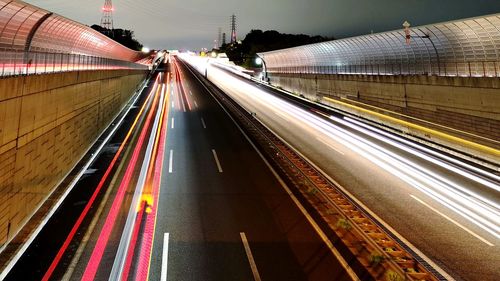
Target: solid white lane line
point(170, 160)
point(173, 122)
point(452, 220)
point(164, 258)
point(251, 260)
point(330, 146)
point(203, 123)
point(217, 160)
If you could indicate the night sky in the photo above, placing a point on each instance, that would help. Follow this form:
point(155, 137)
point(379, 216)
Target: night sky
point(192, 24)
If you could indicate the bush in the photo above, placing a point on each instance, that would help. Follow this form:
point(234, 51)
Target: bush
point(344, 224)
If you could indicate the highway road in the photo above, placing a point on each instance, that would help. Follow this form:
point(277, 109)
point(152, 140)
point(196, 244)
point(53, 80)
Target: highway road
point(446, 211)
point(189, 197)
point(222, 212)
point(209, 209)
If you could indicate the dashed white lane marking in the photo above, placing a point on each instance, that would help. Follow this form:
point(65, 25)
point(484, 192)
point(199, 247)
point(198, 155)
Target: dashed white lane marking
point(452, 220)
point(251, 260)
point(170, 161)
point(219, 167)
point(282, 115)
point(164, 258)
point(203, 123)
point(173, 122)
point(195, 104)
point(330, 145)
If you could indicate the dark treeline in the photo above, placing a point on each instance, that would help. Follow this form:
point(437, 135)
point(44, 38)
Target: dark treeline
point(262, 41)
point(122, 36)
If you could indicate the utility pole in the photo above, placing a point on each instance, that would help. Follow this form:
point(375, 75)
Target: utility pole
point(224, 39)
point(219, 38)
point(233, 28)
point(107, 16)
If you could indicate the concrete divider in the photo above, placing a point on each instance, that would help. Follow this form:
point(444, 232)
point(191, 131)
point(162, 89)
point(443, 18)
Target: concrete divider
point(47, 122)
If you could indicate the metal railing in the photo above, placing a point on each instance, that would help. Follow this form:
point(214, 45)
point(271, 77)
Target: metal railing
point(451, 69)
point(14, 62)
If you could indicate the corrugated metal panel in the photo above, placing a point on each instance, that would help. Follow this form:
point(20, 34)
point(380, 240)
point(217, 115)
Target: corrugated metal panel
point(54, 34)
point(469, 47)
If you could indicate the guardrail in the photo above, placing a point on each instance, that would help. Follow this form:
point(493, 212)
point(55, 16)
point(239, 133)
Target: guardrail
point(14, 62)
point(460, 69)
point(383, 256)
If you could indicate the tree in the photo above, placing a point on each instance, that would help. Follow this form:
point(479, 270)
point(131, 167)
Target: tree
point(263, 41)
point(122, 36)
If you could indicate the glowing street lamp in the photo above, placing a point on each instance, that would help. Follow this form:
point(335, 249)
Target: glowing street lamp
point(259, 61)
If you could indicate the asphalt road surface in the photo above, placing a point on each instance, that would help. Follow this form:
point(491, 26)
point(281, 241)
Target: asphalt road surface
point(222, 213)
point(450, 217)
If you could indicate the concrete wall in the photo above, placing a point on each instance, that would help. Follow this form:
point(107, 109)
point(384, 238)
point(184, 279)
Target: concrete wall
point(468, 104)
point(47, 122)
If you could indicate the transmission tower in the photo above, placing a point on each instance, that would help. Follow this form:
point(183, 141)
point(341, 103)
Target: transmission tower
point(233, 28)
point(107, 16)
point(223, 39)
point(219, 38)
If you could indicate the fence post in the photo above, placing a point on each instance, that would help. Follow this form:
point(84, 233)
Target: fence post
point(3, 68)
point(15, 63)
point(54, 63)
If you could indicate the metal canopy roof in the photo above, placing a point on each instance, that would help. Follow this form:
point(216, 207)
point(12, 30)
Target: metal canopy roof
point(24, 27)
point(469, 47)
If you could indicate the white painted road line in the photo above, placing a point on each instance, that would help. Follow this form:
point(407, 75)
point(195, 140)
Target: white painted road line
point(330, 145)
point(190, 93)
point(283, 116)
point(173, 122)
point(170, 160)
point(172, 104)
point(203, 123)
point(164, 258)
point(217, 160)
point(253, 266)
point(195, 104)
point(452, 220)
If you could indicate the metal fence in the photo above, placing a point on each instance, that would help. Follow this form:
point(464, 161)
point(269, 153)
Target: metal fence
point(22, 63)
point(469, 47)
point(25, 27)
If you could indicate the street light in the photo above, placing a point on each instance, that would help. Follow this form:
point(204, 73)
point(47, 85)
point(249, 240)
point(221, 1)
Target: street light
point(406, 26)
point(260, 61)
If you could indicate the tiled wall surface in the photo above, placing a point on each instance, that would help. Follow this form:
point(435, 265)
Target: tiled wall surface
point(466, 104)
point(47, 122)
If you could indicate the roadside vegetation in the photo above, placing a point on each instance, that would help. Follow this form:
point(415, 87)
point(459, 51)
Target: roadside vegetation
point(243, 52)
